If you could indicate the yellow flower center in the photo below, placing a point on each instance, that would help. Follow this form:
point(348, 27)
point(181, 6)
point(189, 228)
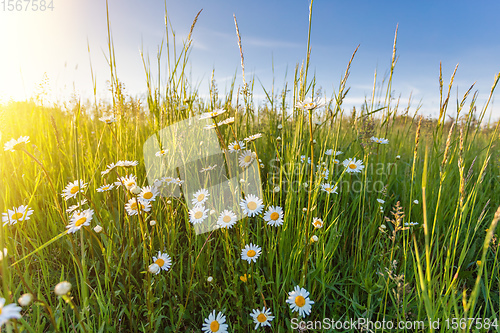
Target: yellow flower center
point(148, 195)
point(200, 197)
point(74, 189)
point(251, 253)
point(247, 159)
point(17, 216)
point(336, 162)
point(261, 318)
point(243, 278)
point(317, 224)
point(162, 152)
point(214, 326)
point(309, 105)
point(198, 215)
point(160, 262)
point(129, 183)
point(236, 147)
point(328, 189)
point(252, 205)
point(353, 166)
point(274, 216)
point(133, 206)
point(0, 311)
point(226, 219)
point(80, 221)
point(300, 301)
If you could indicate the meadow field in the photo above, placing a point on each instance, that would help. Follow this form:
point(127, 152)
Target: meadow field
point(373, 214)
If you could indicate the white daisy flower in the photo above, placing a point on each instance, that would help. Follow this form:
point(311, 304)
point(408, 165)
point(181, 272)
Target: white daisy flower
point(314, 239)
point(379, 140)
point(246, 158)
point(236, 146)
point(329, 152)
point(163, 261)
point(274, 216)
point(177, 181)
point(148, 193)
point(167, 180)
point(251, 252)
point(337, 153)
point(411, 224)
point(380, 201)
point(253, 137)
point(72, 208)
point(353, 165)
point(109, 168)
point(127, 164)
point(324, 173)
point(261, 318)
point(328, 188)
point(72, 189)
point(161, 152)
point(108, 119)
point(226, 121)
point(215, 323)
point(299, 301)
point(128, 181)
point(335, 161)
point(209, 127)
point(105, 187)
point(309, 104)
point(317, 223)
point(251, 205)
point(227, 219)
point(8, 312)
point(212, 114)
point(17, 214)
point(198, 214)
point(18, 144)
point(200, 197)
point(79, 219)
point(132, 208)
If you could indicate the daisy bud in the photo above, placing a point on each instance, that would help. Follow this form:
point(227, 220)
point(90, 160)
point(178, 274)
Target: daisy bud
point(98, 229)
point(152, 222)
point(276, 189)
point(304, 209)
point(153, 268)
point(25, 299)
point(415, 202)
point(278, 138)
point(212, 212)
point(398, 157)
point(3, 253)
point(169, 202)
point(314, 238)
point(135, 190)
point(383, 226)
point(262, 166)
point(62, 288)
point(314, 141)
point(210, 279)
point(242, 181)
point(280, 126)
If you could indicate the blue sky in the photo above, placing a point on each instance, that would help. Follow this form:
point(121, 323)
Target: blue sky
point(274, 35)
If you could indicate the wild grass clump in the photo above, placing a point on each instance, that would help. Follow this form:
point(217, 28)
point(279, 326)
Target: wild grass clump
point(375, 212)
